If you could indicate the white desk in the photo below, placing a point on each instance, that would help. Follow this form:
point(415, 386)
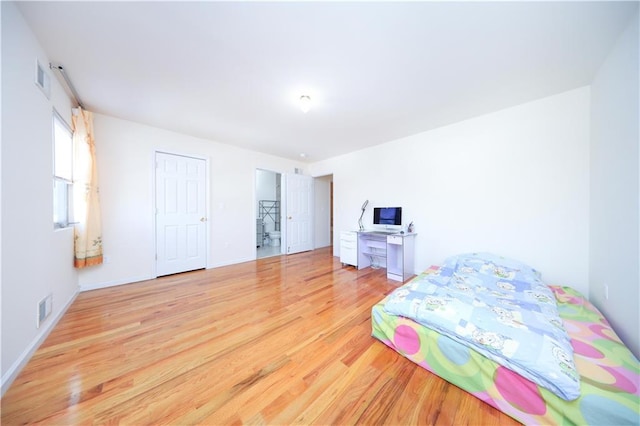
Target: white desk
point(395, 252)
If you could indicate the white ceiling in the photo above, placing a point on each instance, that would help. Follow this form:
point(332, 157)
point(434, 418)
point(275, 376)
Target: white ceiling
point(231, 72)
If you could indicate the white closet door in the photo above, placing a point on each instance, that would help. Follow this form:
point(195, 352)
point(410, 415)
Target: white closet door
point(299, 213)
point(180, 214)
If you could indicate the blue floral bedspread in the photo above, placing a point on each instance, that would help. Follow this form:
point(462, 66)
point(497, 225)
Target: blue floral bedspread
point(500, 308)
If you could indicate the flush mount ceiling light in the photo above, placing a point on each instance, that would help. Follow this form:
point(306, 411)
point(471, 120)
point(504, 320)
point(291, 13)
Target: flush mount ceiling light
point(305, 103)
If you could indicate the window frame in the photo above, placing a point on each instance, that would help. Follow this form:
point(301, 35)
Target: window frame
point(62, 185)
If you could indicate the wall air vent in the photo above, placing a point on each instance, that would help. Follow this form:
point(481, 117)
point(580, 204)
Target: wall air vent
point(44, 309)
point(43, 81)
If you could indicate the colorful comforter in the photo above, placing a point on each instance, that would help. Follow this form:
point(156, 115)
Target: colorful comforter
point(609, 373)
point(501, 309)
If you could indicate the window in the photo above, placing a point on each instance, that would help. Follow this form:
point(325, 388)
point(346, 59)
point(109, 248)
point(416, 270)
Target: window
point(62, 172)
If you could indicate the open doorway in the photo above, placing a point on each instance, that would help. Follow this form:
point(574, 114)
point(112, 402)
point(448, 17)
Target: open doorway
point(268, 213)
point(323, 189)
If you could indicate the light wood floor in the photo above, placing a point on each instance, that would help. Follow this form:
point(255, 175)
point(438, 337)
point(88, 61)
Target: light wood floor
point(281, 340)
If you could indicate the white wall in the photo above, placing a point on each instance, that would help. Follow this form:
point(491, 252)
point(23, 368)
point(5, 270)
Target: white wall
point(36, 259)
point(514, 182)
point(125, 153)
point(614, 227)
point(322, 212)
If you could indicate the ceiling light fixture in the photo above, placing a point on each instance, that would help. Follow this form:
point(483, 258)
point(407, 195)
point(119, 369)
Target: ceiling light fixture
point(305, 103)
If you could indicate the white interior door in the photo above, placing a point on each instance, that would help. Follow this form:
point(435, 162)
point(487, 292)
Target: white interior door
point(180, 214)
point(299, 213)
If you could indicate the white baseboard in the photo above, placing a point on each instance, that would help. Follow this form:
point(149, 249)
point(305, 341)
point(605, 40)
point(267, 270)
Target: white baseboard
point(231, 262)
point(25, 356)
point(96, 286)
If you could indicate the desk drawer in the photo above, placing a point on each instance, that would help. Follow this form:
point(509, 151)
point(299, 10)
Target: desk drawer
point(394, 239)
point(351, 245)
point(348, 236)
point(349, 248)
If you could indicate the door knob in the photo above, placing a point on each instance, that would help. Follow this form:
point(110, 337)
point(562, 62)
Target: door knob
point(289, 217)
point(203, 219)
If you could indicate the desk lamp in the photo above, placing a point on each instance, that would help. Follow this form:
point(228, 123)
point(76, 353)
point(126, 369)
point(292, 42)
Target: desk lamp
point(364, 206)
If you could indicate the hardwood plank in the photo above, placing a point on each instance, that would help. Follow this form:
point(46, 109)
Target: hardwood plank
point(282, 340)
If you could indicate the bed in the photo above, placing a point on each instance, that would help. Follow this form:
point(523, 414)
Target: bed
point(609, 374)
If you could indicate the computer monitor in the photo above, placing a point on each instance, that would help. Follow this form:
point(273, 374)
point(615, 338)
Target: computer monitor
point(387, 216)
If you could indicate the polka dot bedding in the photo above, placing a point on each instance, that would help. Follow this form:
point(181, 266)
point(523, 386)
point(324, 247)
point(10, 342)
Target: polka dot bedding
point(609, 372)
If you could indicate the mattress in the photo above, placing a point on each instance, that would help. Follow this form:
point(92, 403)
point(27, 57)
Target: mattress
point(609, 372)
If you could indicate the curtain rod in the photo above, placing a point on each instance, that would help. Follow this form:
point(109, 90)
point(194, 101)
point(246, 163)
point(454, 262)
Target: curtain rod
point(61, 70)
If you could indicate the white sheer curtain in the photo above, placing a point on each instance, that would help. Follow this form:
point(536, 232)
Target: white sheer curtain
point(88, 228)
